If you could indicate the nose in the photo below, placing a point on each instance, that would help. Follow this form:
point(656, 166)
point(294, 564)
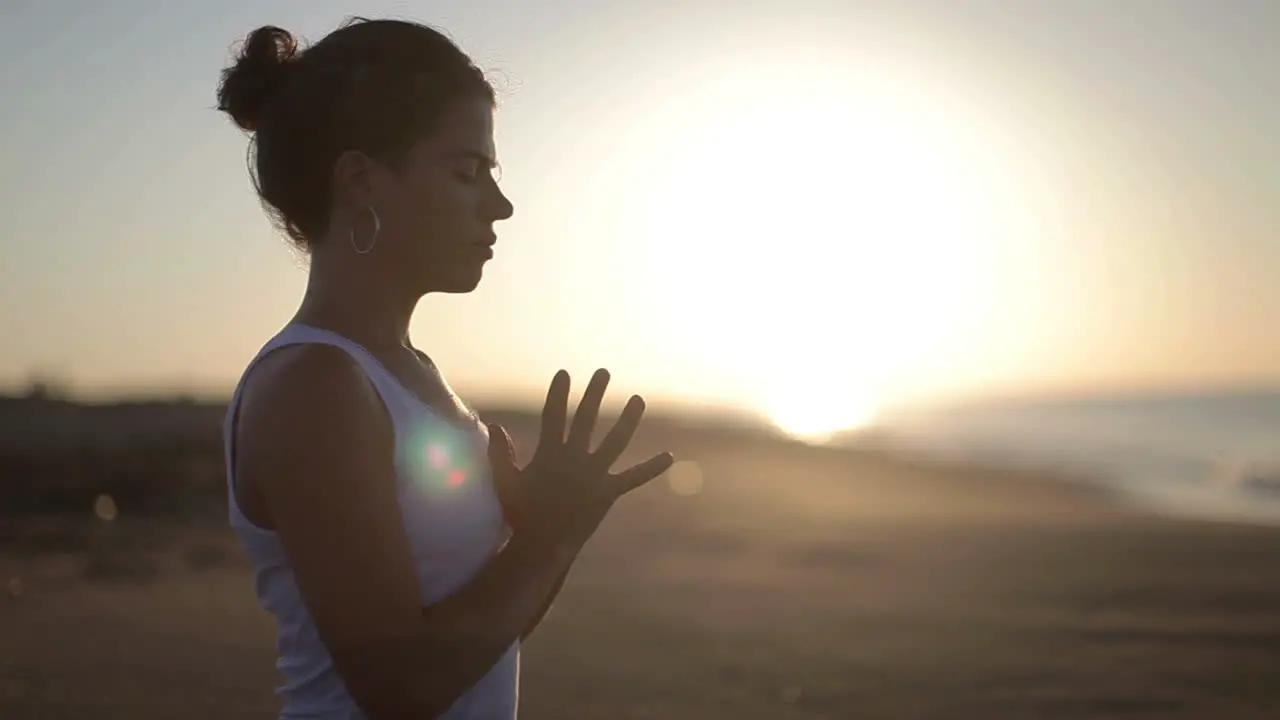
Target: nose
point(501, 207)
point(495, 206)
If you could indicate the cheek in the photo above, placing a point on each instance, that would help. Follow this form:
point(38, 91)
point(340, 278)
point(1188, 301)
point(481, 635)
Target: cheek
point(441, 210)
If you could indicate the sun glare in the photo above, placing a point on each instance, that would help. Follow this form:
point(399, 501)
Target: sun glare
point(822, 243)
point(817, 418)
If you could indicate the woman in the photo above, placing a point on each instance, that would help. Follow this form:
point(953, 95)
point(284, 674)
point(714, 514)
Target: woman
point(403, 562)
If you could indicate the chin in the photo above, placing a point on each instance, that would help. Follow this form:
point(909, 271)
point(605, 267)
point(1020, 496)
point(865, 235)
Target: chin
point(457, 284)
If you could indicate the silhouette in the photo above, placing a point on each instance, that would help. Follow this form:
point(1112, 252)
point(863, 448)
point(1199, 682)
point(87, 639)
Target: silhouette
point(404, 563)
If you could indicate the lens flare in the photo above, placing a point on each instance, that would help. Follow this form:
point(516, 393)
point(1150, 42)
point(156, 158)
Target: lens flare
point(441, 455)
point(437, 456)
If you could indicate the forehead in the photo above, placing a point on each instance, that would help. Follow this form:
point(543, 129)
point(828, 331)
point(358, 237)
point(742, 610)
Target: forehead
point(465, 125)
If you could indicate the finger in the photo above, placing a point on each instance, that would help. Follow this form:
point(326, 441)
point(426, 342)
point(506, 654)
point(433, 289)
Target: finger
point(502, 460)
point(505, 473)
point(584, 418)
point(637, 475)
point(619, 437)
point(502, 451)
point(554, 412)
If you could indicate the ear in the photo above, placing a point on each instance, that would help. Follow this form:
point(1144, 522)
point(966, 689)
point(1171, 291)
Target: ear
point(353, 180)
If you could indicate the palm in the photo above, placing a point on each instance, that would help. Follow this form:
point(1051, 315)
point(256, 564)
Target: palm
point(564, 461)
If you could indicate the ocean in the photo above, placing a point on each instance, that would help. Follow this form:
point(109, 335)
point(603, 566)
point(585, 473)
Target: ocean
point(1212, 456)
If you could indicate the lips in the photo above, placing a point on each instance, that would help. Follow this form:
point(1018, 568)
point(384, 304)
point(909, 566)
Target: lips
point(485, 247)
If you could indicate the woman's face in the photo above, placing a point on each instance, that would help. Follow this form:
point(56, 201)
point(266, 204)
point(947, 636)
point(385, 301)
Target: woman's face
point(436, 213)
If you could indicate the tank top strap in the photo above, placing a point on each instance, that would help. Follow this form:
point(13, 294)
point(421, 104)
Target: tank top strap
point(393, 394)
point(392, 391)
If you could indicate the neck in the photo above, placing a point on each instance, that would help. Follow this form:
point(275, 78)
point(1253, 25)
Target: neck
point(357, 306)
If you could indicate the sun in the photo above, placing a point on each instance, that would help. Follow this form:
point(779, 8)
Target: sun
point(818, 422)
point(815, 407)
point(817, 249)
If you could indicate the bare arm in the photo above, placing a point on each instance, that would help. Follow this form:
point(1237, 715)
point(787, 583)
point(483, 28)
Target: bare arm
point(546, 606)
point(318, 446)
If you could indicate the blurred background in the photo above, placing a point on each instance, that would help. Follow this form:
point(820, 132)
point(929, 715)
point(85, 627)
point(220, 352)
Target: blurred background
point(960, 315)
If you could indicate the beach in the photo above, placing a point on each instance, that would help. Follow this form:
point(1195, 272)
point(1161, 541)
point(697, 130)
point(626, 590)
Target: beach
point(769, 580)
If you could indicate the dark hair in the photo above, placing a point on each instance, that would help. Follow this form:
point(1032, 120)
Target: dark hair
point(377, 86)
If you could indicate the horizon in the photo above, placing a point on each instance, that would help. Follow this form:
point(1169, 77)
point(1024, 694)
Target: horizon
point(54, 391)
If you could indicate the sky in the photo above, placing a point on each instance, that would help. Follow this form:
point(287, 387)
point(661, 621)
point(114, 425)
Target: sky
point(808, 209)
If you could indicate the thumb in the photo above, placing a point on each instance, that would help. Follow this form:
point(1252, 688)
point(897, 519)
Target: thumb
point(505, 474)
point(502, 451)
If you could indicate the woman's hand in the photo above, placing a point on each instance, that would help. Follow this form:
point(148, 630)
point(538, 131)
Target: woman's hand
point(566, 489)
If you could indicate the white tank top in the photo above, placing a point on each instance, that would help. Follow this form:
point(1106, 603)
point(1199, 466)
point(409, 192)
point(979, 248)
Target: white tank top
point(451, 516)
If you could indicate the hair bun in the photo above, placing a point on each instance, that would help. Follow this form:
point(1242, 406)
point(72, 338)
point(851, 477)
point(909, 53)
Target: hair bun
point(260, 70)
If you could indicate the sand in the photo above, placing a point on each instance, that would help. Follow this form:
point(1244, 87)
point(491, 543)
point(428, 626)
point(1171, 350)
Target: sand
point(798, 583)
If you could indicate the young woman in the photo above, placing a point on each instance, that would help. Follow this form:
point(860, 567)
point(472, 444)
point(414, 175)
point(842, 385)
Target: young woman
point(402, 551)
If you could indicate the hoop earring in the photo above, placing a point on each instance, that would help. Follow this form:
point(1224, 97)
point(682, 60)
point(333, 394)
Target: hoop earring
point(377, 228)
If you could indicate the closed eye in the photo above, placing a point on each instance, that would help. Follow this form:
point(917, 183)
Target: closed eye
point(468, 171)
point(472, 165)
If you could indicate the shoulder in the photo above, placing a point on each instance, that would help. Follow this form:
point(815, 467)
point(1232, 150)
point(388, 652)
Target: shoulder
point(302, 370)
point(308, 395)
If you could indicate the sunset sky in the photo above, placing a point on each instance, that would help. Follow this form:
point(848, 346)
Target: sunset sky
point(803, 208)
